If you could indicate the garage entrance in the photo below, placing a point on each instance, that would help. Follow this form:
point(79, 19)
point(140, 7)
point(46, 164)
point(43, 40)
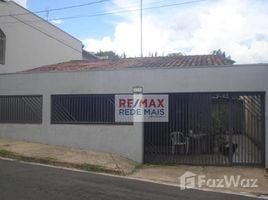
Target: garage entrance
point(209, 129)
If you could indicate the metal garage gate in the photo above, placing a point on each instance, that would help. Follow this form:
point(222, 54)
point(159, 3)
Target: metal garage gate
point(208, 129)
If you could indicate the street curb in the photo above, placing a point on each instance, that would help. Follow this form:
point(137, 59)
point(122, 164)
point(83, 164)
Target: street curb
point(55, 162)
point(136, 179)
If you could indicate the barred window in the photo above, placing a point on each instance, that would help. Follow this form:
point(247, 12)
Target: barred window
point(21, 109)
point(79, 109)
point(2, 47)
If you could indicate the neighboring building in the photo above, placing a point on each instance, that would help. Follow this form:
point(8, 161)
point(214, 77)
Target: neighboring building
point(27, 40)
point(217, 111)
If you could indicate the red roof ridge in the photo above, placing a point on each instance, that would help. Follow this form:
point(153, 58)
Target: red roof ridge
point(136, 62)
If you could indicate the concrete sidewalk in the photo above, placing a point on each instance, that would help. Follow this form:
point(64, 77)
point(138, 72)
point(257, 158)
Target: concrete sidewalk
point(171, 174)
point(105, 161)
point(113, 163)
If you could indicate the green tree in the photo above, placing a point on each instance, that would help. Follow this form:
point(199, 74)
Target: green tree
point(175, 54)
point(219, 52)
point(108, 54)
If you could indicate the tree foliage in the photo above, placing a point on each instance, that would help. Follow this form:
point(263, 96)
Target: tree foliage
point(219, 52)
point(107, 54)
point(175, 54)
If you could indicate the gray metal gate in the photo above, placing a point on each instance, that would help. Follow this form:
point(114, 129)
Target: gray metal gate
point(209, 129)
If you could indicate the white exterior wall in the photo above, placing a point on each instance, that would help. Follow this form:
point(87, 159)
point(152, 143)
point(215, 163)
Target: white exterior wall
point(126, 140)
point(27, 47)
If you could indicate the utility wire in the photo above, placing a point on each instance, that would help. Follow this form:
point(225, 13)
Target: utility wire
point(57, 9)
point(37, 29)
point(141, 27)
point(129, 10)
point(64, 8)
point(117, 12)
point(107, 13)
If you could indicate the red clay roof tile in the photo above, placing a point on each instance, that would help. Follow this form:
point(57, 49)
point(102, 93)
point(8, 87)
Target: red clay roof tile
point(147, 62)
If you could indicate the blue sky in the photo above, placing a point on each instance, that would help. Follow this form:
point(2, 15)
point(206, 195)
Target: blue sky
point(239, 27)
point(93, 26)
point(83, 27)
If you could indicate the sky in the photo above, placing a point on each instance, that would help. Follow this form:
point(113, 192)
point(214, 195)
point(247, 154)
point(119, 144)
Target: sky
point(238, 27)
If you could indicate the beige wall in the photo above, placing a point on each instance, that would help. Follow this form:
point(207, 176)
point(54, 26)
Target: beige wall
point(27, 47)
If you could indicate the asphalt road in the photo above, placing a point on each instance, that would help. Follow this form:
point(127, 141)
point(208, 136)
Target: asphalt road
point(25, 181)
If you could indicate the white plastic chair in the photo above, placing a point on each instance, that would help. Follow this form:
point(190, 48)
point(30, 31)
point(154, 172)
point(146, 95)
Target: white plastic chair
point(179, 139)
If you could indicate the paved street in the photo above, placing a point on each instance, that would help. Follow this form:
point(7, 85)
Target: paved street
point(24, 181)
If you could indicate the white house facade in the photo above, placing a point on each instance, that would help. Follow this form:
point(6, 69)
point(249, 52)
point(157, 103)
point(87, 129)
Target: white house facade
point(217, 112)
point(27, 41)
